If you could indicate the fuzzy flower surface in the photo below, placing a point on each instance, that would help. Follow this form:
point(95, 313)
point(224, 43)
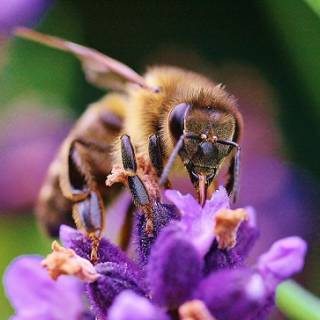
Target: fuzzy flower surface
point(193, 268)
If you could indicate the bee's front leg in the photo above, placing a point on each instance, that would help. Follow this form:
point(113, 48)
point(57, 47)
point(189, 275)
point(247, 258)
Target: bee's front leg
point(232, 185)
point(155, 153)
point(78, 185)
point(137, 188)
point(156, 157)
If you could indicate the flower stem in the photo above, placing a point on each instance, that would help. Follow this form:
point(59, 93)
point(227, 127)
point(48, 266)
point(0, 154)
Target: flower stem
point(296, 302)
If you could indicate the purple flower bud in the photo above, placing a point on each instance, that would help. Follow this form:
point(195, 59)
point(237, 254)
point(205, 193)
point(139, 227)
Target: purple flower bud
point(174, 268)
point(162, 215)
point(284, 258)
point(130, 306)
point(233, 294)
point(114, 278)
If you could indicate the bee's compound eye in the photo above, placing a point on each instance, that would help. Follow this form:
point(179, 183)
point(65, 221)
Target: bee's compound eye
point(176, 120)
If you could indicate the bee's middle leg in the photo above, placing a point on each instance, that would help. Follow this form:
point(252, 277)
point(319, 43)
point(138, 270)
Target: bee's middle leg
point(137, 188)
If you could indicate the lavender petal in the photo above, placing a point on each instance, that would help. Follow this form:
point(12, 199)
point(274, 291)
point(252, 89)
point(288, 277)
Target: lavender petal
point(219, 200)
point(174, 268)
point(186, 204)
point(233, 294)
point(199, 222)
point(34, 295)
point(130, 306)
point(284, 258)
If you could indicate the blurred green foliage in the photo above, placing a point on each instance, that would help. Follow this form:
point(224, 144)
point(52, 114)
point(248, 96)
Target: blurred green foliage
point(280, 38)
point(314, 4)
point(35, 70)
point(296, 30)
point(297, 33)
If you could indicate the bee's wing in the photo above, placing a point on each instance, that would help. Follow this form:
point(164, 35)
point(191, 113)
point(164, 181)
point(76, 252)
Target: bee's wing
point(100, 69)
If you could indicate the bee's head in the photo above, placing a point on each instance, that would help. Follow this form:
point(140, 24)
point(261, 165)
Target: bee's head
point(208, 133)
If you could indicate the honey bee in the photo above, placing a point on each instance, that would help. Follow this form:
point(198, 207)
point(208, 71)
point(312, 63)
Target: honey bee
point(168, 113)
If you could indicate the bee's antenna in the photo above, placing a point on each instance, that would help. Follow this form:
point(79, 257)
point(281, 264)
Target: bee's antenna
point(172, 158)
point(236, 169)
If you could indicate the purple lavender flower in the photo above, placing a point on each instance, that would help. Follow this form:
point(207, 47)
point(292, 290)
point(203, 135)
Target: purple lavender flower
point(192, 268)
point(21, 12)
point(240, 293)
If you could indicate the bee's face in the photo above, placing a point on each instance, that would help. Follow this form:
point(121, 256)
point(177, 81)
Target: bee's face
point(202, 127)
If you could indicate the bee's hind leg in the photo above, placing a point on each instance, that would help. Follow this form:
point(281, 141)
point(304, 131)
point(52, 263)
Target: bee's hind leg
point(137, 188)
point(79, 185)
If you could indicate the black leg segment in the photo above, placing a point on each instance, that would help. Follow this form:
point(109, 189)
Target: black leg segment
point(138, 191)
point(155, 153)
point(90, 213)
point(128, 155)
point(136, 186)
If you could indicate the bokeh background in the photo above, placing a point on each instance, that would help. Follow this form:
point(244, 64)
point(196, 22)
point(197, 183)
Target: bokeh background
point(267, 53)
